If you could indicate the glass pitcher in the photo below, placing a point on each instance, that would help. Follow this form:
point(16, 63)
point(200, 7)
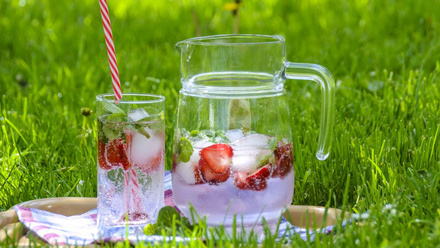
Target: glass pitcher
point(233, 153)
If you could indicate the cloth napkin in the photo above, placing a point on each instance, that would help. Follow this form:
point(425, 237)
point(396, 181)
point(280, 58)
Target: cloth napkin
point(82, 229)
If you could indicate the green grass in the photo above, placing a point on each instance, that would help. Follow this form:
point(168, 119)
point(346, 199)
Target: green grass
point(383, 54)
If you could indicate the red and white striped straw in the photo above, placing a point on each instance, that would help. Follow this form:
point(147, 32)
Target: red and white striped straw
point(110, 49)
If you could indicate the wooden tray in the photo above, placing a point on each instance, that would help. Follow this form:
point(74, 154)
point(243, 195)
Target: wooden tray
point(10, 228)
point(301, 216)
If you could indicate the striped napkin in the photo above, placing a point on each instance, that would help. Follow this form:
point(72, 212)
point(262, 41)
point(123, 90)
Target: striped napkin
point(82, 229)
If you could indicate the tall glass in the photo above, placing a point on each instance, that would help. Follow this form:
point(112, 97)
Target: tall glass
point(131, 154)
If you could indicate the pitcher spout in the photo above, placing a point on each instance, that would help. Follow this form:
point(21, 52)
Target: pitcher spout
point(180, 45)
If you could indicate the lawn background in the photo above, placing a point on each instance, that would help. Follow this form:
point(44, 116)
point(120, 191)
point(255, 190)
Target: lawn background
point(384, 55)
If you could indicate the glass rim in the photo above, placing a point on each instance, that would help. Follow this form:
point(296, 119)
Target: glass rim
point(151, 98)
point(254, 39)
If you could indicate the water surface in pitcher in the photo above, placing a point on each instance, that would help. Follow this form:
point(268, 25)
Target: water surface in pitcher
point(232, 83)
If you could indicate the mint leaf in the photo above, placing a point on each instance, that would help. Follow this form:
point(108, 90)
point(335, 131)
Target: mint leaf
point(217, 136)
point(145, 180)
point(117, 117)
point(273, 143)
point(111, 122)
point(265, 160)
point(185, 223)
point(185, 149)
point(165, 216)
point(111, 130)
point(150, 229)
point(206, 134)
point(113, 125)
point(165, 222)
point(111, 108)
point(101, 134)
point(116, 175)
point(155, 123)
point(141, 129)
point(194, 132)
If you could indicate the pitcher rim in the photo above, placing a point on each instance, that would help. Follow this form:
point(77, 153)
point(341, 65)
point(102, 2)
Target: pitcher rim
point(206, 40)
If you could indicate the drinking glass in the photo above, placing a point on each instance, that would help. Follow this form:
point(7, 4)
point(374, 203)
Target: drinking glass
point(131, 152)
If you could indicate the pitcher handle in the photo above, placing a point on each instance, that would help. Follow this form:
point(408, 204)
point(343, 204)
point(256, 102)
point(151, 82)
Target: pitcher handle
point(322, 76)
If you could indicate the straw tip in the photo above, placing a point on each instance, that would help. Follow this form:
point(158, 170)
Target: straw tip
point(322, 156)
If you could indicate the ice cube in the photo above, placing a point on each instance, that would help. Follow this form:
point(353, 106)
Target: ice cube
point(234, 134)
point(245, 160)
point(252, 140)
point(187, 170)
point(138, 114)
point(195, 157)
point(144, 149)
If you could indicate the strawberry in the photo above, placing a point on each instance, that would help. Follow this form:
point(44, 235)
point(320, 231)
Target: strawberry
point(209, 176)
point(174, 163)
point(218, 157)
point(101, 156)
point(256, 181)
point(116, 154)
point(154, 163)
point(130, 216)
point(283, 160)
point(215, 162)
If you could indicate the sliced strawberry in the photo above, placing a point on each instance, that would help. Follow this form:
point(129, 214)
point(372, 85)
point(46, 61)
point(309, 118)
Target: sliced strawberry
point(215, 162)
point(283, 160)
point(217, 157)
point(116, 154)
point(256, 181)
point(209, 176)
point(101, 156)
